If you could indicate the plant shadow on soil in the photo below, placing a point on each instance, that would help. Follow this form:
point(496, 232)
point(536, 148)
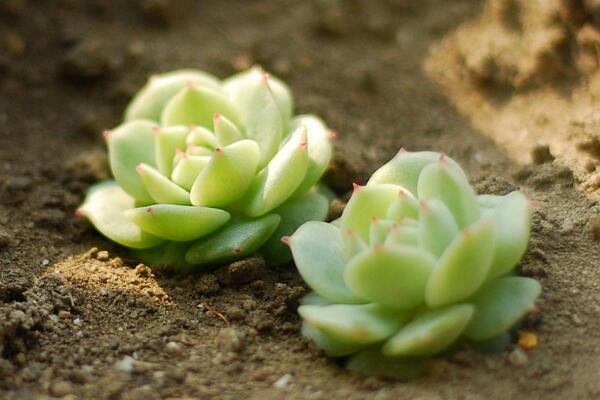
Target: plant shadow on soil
point(73, 322)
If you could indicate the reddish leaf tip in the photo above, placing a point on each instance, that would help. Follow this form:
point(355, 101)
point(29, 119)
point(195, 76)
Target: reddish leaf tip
point(190, 84)
point(333, 135)
point(78, 213)
point(149, 210)
point(356, 187)
point(156, 129)
point(218, 150)
point(237, 249)
point(303, 144)
point(139, 169)
point(402, 151)
point(217, 118)
point(285, 240)
point(106, 134)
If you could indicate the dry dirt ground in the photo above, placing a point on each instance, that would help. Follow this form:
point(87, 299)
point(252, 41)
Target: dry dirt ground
point(506, 87)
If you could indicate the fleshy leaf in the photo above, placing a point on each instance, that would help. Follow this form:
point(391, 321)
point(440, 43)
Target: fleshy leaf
point(313, 299)
point(500, 304)
point(201, 136)
point(372, 362)
point(276, 183)
point(104, 206)
point(331, 347)
point(166, 142)
point(152, 98)
point(260, 114)
point(166, 255)
point(404, 169)
point(437, 227)
point(319, 150)
point(463, 267)
point(130, 144)
point(513, 219)
point(353, 244)
point(430, 332)
point(225, 131)
point(310, 207)
point(393, 276)
point(227, 175)
point(440, 181)
point(196, 105)
point(178, 223)
point(404, 206)
point(366, 203)
point(403, 233)
point(239, 238)
point(281, 92)
point(489, 200)
point(161, 188)
point(354, 323)
point(188, 169)
point(319, 254)
point(378, 230)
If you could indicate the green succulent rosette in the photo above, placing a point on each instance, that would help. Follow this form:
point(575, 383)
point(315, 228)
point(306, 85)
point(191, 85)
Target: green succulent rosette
point(208, 171)
point(416, 263)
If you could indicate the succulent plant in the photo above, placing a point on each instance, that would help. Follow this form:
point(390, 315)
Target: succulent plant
point(206, 171)
point(416, 263)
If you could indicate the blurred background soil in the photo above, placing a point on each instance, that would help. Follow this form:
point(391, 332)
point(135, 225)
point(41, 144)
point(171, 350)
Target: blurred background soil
point(507, 87)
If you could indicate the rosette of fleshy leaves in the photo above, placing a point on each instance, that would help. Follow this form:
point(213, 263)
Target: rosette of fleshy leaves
point(208, 171)
point(416, 264)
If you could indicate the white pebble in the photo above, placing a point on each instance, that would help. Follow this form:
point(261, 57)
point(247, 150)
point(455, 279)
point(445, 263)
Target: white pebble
point(126, 364)
point(77, 321)
point(45, 262)
point(283, 382)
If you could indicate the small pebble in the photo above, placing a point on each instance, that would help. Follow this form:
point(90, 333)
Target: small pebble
point(518, 357)
point(45, 262)
point(60, 389)
point(283, 382)
point(64, 314)
point(528, 340)
point(125, 364)
point(173, 348)
point(102, 255)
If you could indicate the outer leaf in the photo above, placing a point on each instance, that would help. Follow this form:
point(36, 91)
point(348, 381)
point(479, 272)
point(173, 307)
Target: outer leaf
point(439, 181)
point(168, 254)
point(227, 175)
point(178, 223)
point(310, 207)
point(405, 206)
point(130, 144)
point(239, 238)
point(225, 131)
point(276, 183)
point(312, 298)
point(166, 142)
point(462, 268)
point(437, 227)
point(353, 323)
point(331, 347)
point(319, 150)
point(188, 169)
point(319, 254)
point(394, 277)
point(404, 169)
point(430, 332)
point(104, 206)
point(489, 200)
point(513, 218)
point(161, 188)
point(259, 111)
point(281, 92)
point(500, 304)
point(366, 203)
point(196, 105)
point(151, 99)
point(372, 362)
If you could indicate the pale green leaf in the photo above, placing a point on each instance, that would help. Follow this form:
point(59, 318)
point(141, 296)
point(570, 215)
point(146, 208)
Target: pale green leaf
point(187, 170)
point(331, 347)
point(161, 188)
point(372, 362)
point(166, 142)
point(430, 332)
point(238, 239)
point(404, 206)
point(178, 223)
point(354, 323)
point(500, 304)
point(104, 206)
point(439, 180)
point(366, 203)
point(200, 136)
point(319, 254)
point(281, 177)
point(225, 131)
point(165, 255)
point(437, 227)
point(463, 267)
point(393, 276)
point(227, 176)
point(197, 105)
point(149, 102)
point(404, 232)
point(379, 229)
point(130, 144)
point(404, 169)
point(513, 218)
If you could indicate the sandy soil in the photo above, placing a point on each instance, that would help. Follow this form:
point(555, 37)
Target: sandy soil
point(506, 87)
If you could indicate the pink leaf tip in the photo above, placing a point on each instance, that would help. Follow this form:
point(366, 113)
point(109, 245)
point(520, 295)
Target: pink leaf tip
point(237, 249)
point(333, 135)
point(139, 169)
point(156, 129)
point(78, 213)
point(106, 134)
point(303, 144)
point(149, 210)
point(356, 187)
point(217, 118)
point(285, 240)
point(218, 150)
